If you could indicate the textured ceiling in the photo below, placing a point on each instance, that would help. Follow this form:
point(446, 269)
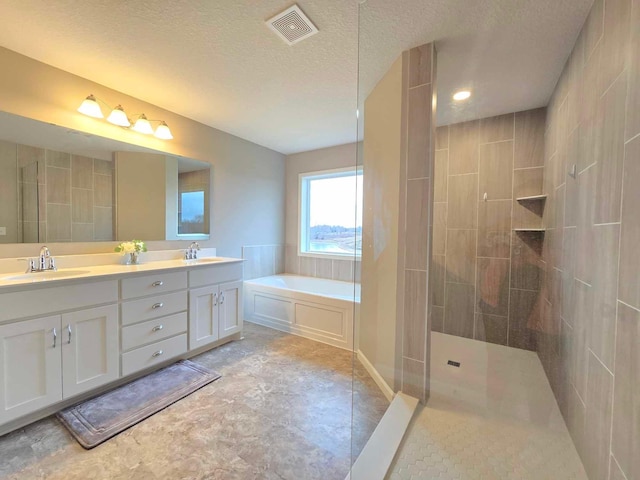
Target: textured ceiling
point(217, 62)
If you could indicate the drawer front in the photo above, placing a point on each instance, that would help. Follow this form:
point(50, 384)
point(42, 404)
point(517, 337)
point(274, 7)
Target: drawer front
point(151, 331)
point(153, 307)
point(152, 284)
point(145, 357)
point(203, 276)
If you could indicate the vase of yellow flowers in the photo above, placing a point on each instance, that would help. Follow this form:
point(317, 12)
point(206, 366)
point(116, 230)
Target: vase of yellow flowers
point(132, 250)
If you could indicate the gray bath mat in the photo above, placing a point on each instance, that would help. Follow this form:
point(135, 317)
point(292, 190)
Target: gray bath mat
point(100, 418)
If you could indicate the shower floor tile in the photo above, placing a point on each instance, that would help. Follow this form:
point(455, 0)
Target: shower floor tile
point(494, 417)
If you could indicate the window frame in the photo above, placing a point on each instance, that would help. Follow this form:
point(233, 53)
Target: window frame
point(303, 210)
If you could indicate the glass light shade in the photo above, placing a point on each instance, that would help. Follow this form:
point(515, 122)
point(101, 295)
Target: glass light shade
point(142, 125)
point(461, 95)
point(163, 132)
point(118, 117)
point(90, 107)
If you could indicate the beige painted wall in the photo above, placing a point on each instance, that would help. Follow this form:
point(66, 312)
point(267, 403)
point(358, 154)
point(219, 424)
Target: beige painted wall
point(382, 160)
point(248, 178)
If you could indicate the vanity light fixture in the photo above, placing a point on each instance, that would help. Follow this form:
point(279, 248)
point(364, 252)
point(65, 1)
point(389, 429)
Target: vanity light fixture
point(91, 107)
point(142, 125)
point(461, 95)
point(118, 117)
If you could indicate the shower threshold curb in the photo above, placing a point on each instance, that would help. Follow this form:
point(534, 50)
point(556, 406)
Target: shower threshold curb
point(377, 455)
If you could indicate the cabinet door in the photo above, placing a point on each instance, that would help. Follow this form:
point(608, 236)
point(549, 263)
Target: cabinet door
point(90, 356)
point(230, 305)
point(30, 368)
point(203, 316)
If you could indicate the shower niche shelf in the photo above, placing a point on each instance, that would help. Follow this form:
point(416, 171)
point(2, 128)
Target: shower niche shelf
point(529, 230)
point(533, 198)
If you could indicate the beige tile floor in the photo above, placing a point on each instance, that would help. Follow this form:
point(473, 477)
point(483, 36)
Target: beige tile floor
point(282, 410)
point(493, 418)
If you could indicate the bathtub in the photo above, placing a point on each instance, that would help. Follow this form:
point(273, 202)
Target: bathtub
point(314, 308)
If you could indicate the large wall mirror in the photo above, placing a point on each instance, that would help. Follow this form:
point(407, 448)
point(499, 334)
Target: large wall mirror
point(61, 185)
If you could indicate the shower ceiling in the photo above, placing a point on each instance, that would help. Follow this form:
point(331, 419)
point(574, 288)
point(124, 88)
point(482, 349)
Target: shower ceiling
point(218, 63)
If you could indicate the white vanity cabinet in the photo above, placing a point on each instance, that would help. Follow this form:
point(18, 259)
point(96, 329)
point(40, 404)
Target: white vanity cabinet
point(215, 305)
point(49, 359)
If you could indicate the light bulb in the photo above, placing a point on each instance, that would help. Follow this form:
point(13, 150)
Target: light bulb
point(163, 132)
point(142, 125)
point(118, 117)
point(90, 107)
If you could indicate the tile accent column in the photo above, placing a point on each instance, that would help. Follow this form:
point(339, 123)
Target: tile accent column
point(416, 217)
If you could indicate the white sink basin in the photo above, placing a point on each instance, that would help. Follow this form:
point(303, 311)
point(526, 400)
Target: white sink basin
point(203, 260)
point(48, 275)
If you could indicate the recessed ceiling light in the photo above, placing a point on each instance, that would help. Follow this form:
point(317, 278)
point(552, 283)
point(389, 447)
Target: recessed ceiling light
point(461, 95)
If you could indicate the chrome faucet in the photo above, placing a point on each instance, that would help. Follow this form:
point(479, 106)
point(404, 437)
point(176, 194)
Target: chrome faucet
point(45, 262)
point(191, 253)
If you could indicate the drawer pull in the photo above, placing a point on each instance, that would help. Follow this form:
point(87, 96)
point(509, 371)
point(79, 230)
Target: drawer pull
point(157, 305)
point(159, 283)
point(221, 298)
point(157, 328)
point(55, 337)
point(157, 354)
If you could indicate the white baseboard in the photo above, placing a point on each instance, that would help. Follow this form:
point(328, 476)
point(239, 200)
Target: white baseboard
point(384, 386)
point(376, 457)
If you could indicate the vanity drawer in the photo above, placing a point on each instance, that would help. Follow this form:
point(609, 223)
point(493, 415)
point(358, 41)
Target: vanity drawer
point(152, 284)
point(145, 357)
point(150, 331)
point(153, 307)
point(227, 272)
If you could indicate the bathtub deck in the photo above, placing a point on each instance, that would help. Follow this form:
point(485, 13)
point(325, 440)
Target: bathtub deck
point(494, 417)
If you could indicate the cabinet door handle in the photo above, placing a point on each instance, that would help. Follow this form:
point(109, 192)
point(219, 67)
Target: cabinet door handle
point(215, 299)
point(69, 332)
point(157, 328)
point(157, 354)
point(159, 283)
point(157, 305)
point(55, 337)
point(221, 298)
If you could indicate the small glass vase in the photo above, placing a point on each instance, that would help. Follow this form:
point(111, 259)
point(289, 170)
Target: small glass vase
point(133, 258)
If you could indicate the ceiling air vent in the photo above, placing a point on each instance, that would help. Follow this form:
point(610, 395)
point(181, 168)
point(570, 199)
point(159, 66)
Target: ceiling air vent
point(292, 25)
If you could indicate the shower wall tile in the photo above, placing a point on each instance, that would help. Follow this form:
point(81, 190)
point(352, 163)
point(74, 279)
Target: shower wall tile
point(415, 306)
point(463, 147)
point(438, 279)
point(615, 42)
point(626, 406)
point(459, 309)
point(439, 228)
point(614, 470)
point(593, 27)
point(632, 126)
point(461, 251)
point(103, 223)
point(420, 64)
point(491, 328)
point(419, 123)
point(417, 224)
point(494, 228)
point(598, 419)
point(437, 324)
point(103, 190)
point(81, 172)
point(440, 176)
point(102, 167)
point(523, 318)
point(58, 159)
point(82, 206)
point(58, 185)
point(529, 138)
point(413, 377)
point(496, 171)
point(497, 129)
point(462, 201)
point(82, 232)
point(526, 249)
point(442, 138)
point(58, 223)
point(629, 286)
point(527, 182)
point(492, 292)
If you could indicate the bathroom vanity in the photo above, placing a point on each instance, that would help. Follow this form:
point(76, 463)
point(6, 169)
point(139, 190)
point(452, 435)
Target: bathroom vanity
point(69, 334)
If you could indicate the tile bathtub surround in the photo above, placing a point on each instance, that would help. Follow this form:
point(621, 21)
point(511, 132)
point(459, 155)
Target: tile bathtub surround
point(263, 260)
point(484, 273)
point(346, 270)
point(590, 269)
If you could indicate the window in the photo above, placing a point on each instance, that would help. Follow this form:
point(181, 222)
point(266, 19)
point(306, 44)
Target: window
point(331, 213)
point(191, 212)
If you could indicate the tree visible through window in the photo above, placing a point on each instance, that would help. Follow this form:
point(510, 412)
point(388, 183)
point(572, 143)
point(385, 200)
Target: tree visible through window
point(331, 212)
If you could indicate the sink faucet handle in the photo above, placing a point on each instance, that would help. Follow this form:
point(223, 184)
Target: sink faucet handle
point(52, 264)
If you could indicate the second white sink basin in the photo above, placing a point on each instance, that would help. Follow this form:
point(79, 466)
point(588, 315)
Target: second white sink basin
point(47, 275)
point(203, 260)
